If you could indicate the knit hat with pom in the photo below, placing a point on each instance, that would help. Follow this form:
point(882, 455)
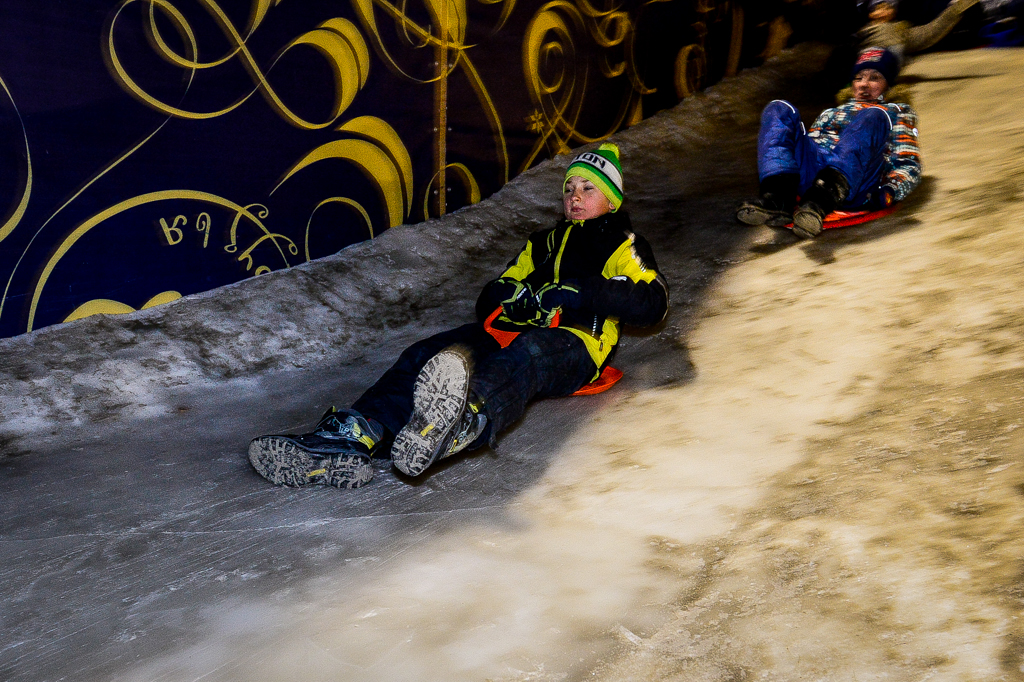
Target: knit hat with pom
point(602, 168)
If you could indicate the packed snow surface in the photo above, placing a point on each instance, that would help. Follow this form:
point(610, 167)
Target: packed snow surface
point(812, 470)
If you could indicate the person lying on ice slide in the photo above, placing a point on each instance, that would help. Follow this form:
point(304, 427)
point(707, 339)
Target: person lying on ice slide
point(459, 389)
point(862, 155)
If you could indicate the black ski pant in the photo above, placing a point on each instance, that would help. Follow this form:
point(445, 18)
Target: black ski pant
point(540, 363)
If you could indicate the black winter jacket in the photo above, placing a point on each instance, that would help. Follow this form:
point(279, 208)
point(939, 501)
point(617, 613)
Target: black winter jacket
point(613, 267)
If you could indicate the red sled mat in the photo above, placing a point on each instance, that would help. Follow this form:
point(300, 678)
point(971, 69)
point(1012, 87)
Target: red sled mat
point(609, 375)
point(847, 218)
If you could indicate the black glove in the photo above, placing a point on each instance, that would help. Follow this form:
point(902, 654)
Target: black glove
point(565, 295)
point(522, 306)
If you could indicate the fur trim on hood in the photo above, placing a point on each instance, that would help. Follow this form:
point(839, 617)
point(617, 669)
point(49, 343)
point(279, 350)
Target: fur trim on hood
point(897, 94)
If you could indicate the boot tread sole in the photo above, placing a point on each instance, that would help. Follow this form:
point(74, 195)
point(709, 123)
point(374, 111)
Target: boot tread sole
point(807, 224)
point(439, 399)
point(282, 461)
point(754, 215)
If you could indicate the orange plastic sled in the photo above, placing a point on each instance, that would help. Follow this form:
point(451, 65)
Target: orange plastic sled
point(609, 375)
point(847, 218)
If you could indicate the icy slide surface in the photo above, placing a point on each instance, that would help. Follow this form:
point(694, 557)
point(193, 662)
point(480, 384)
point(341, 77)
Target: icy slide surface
point(811, 471)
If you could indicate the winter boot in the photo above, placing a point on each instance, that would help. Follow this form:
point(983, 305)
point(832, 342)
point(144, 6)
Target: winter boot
point(337, 452)
point(829, 189)
point(774, 207)
point(444, 420)
point(470, 427)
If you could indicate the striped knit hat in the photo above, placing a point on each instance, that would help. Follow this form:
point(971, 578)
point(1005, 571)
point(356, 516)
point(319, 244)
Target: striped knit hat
point(602, 168)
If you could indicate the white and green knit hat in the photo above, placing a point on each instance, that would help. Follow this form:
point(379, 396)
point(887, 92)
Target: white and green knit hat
point(602, 168)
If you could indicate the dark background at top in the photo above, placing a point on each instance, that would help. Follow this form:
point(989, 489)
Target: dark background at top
point(78, 121)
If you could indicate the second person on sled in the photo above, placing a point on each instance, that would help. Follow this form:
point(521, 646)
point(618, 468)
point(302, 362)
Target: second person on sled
point(861, 155)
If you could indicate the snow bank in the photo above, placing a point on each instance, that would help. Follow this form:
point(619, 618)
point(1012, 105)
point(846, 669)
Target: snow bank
point(416, 277)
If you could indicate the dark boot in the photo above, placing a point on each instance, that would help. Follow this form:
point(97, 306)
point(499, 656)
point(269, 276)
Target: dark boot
point(440, 399)
point(471, 426)
point(828, 191)
point(336, 453)
point(774, 206)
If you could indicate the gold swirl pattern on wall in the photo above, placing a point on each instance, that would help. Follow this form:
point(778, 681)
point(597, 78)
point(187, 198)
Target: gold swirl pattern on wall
point(383, 135)
point(153, 197)
point(17, 211)
point(337, 40)
point(246, 256)
point(464, 175)
point(85, 186)
point(558, 98)
point(381, 156)
point(446, 37)
point(691, 67)
point(450, 16)
point(558, 79)
point(106, 306)
point(352, 203)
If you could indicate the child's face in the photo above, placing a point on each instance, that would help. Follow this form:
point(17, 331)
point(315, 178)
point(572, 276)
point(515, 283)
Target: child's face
point(582, 200)
point(883, 11)
point(868, 85)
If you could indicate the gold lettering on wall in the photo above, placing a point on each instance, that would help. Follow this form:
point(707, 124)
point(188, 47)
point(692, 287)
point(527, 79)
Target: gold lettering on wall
point(568, 48)
point(337, 40)
point(203, 222)
point(242, 214)
point(172, 232)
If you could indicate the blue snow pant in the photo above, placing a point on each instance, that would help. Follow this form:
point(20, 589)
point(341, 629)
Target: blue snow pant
point(539, 363)
point(783, 146)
